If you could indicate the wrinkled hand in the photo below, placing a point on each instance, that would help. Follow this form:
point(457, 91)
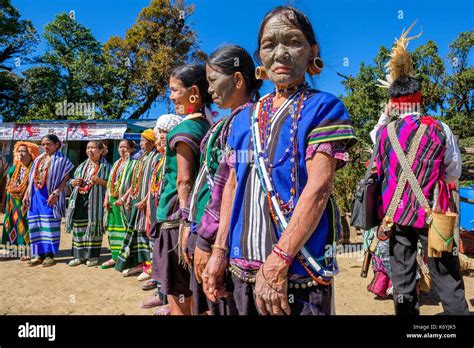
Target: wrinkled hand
point(271, 287)
point(201, 258)
point(213, 275)
point(107, 205)
point(52, 200)
point(186, 230)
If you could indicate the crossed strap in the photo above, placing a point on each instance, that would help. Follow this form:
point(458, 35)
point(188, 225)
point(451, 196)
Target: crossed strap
point(406, 175)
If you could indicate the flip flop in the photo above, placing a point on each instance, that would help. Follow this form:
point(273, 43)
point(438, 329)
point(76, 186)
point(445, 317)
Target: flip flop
point(48, 262)
point(108, 264)
point(149, 285)
point(144, 276)
point(92, 262)
point(132, 271)
point(34, 262)
point(75, 262)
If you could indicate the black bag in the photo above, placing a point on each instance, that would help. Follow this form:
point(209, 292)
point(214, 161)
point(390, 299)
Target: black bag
point(365, 204)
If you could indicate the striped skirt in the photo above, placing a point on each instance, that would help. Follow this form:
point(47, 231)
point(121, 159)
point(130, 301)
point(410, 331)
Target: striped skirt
point(84, 245)
point(45, 229)
point(135, 248)
point(116, 229)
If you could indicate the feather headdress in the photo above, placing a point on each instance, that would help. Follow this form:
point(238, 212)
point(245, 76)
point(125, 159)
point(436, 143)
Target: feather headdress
point(400, 63)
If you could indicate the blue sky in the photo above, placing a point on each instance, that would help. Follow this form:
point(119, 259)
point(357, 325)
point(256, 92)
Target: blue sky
point(349, 32)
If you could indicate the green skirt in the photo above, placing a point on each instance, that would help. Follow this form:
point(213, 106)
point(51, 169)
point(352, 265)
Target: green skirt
point(135, 247)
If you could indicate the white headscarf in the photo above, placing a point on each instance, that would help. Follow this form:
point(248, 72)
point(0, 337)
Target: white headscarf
point(167, 122)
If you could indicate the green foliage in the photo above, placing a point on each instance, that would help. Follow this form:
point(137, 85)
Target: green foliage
point(17, 39)
point(122, 78)
point(138, 66)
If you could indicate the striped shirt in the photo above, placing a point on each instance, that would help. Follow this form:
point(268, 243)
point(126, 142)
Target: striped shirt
point(428, 167)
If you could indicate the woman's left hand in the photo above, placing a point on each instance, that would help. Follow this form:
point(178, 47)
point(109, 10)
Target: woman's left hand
point(271, 287)
point(52, 200)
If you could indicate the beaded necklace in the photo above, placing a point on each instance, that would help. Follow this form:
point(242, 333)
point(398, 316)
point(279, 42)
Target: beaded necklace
point(91, 170)
point(41, 172)
point(264, 120)
point(157, 176)
point(114, 186)
point(280, 210)
point(19, 181)
point(137, 176)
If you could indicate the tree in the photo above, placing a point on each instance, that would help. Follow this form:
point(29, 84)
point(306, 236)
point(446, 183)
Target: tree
point(17, 38)
point(66, 72)
point(460, 86)
point(138, 66)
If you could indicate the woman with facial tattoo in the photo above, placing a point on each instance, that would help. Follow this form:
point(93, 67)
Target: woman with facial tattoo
point(171, 263)
point(278, 217)
point(232, 86)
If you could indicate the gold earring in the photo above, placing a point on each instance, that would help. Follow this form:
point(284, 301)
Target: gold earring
point(261, 73)
point(315, 66)
point(192, 99)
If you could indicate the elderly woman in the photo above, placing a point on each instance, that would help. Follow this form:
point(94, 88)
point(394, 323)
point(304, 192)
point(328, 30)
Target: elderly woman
point(45, 200)
point(232, 86)
point(15, 227)
point(85, 212)
point(277, 214)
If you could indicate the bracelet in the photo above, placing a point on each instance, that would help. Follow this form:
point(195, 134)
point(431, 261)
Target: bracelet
point(282, 255)
point(218, 247)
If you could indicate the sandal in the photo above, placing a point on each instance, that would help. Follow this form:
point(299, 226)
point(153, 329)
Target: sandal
point(48, 262)
point(108, 264)
point(150, 285)
point(25, 258)
point(144, 276)
point(132, 271)
point(34, 262)
point(92, 262)
point(75, 262)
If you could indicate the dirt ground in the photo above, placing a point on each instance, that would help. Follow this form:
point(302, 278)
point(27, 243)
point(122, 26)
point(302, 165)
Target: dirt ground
point(90, 290)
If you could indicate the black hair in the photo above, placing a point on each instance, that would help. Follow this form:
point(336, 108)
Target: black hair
point(194, 75)
point(99, 144)
point(295, 18)
point(53, 137)
point(404, 86)
point(231, 59)
point(131, 144)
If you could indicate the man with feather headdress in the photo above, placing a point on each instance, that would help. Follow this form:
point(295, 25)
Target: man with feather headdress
point(426, 148)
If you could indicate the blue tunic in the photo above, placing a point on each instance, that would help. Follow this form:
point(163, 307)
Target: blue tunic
point(252, 230)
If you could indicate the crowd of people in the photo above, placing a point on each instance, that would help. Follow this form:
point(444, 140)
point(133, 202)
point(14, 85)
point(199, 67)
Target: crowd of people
point(224, 217)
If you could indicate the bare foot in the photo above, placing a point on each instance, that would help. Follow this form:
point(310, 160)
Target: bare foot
point(163, 310)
